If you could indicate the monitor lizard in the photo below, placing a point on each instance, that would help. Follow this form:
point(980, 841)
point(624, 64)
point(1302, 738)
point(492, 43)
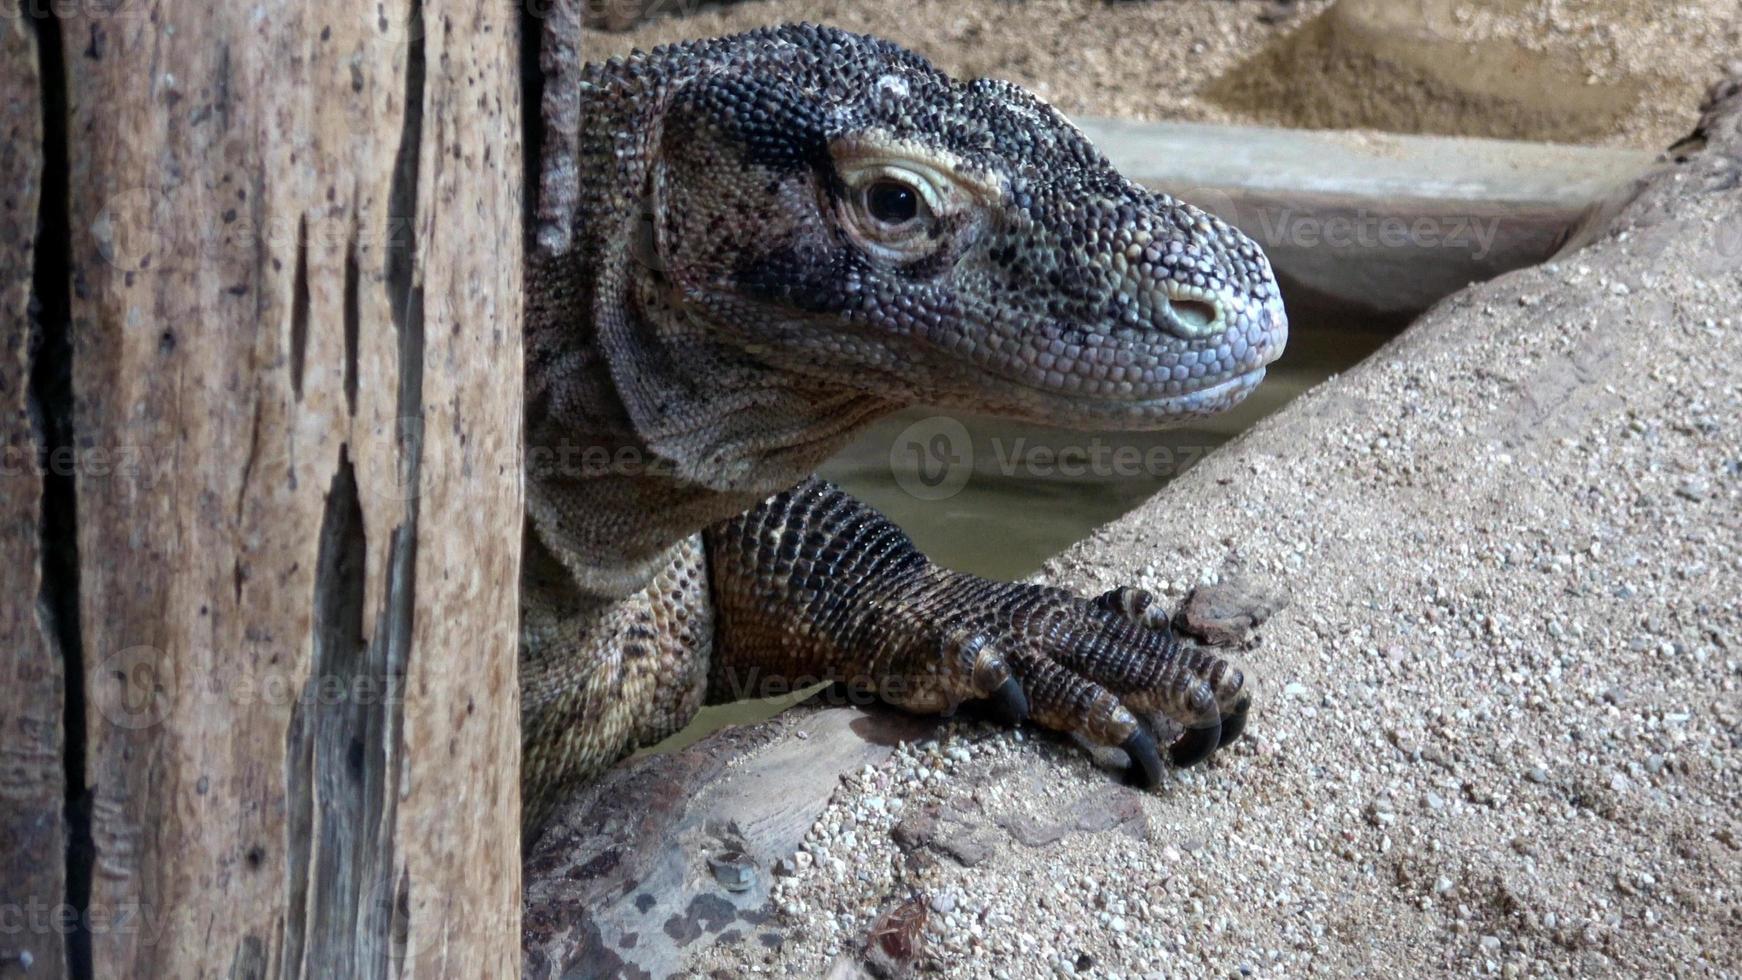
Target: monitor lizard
point(744, 251)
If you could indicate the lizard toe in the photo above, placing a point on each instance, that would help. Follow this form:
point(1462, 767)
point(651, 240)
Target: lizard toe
point(1008, 703)
point(1195, 745)
point(1145, 768)
point(1234, 722)
point(1139, 607)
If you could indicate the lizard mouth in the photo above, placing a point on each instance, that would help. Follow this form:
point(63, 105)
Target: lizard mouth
point(1138, 413)
point(1219, 396)
point(1185, 404)
point(1159, 402)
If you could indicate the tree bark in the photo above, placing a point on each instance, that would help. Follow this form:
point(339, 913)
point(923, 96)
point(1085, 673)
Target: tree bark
point(293, 269)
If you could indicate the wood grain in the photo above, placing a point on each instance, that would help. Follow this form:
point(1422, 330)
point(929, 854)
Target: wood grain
point(296, 325)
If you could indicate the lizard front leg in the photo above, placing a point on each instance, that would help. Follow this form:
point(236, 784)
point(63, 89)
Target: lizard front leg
point(600, 678)
point(812, 584)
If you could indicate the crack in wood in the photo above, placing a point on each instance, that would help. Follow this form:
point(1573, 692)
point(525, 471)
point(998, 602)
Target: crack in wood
point(51, 405)
point(326, 758)
point(299, 300)
point(351, 317)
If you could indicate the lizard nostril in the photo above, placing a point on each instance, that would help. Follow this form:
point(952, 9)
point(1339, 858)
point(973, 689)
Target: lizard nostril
point(1194, 315)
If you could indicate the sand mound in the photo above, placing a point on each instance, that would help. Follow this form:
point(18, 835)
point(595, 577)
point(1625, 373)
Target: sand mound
point(1615, 72)
point(1618, 70)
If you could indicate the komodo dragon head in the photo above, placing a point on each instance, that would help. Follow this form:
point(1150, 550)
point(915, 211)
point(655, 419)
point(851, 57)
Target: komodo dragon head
point(829, 209)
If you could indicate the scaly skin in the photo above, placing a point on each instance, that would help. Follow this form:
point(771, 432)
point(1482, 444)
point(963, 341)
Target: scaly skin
point(750, 248)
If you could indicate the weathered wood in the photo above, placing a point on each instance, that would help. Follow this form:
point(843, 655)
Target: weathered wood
point(296, 323)
point(32, 781)
point(1382, 223)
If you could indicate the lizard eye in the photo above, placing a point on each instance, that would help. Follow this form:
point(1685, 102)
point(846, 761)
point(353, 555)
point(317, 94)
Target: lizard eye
point(894, 208)
point(892, 202)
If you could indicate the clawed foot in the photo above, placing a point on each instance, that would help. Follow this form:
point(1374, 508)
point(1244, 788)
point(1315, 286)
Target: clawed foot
point(1097, 668)
point(1233, 701)
point(813, 583)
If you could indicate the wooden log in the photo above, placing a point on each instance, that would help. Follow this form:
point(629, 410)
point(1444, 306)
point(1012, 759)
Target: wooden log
point(1381, 223)
point(33, 898)
point(296, 340)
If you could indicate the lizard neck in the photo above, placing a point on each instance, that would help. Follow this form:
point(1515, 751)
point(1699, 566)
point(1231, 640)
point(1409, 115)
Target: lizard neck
point(641, 429)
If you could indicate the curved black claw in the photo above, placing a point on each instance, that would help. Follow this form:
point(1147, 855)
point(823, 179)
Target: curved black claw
point(1009, 704)
point(1195, 745)
point(1145, 768)
point(1234, 722)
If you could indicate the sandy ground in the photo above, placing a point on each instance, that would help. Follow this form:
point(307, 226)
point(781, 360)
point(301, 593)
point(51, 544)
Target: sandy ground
point(1620, 72)
point(1501, 722)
